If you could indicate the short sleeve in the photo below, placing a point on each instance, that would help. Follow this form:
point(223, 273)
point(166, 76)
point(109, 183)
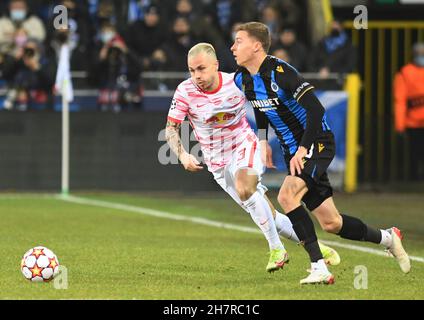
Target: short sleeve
point(179, 107)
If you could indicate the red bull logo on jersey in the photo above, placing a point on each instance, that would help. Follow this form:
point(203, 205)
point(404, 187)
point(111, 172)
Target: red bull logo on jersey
point(220, 118)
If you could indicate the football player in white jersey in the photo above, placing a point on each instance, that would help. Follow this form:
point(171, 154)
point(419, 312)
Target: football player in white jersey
point(215, 109)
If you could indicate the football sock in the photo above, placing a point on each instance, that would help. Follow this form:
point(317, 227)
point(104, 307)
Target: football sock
point(285, 227)
point(261, 214)
point(355, 229)
point(305, 230)
point(386, 238)
point(319, 265)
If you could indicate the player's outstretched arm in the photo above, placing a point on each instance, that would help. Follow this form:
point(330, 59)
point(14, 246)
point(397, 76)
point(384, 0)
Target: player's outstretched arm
point(173, 138)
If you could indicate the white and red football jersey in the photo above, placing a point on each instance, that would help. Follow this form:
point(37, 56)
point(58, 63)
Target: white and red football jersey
point(218, 118)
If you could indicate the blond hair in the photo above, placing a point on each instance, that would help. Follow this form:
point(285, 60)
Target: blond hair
point(203, 47)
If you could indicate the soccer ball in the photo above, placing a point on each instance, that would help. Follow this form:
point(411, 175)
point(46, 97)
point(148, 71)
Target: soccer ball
point(39, 264)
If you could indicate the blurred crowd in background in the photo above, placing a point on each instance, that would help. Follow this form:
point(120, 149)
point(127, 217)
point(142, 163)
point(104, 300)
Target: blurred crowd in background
point(115, 41)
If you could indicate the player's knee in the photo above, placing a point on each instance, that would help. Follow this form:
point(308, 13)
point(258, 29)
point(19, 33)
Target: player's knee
point(244, 192)
point(245, 184)
point(332, 225)
point(291, 194)
point(286, 198)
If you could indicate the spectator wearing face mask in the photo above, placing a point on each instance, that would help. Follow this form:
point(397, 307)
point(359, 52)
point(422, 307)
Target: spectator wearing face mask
point(15, 49)
point(202, 29)
point(146, 35)
point(30, 76)
point(78, 36)
point(409, 109)
point(19, 16)
point(334, 53)
point(179, 43)
point(19, 40)
point(116, 72)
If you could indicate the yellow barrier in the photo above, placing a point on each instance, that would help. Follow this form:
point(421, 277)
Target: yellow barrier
point(352, 87)
point(382, 49)
point(327, 10)
point(389, 24)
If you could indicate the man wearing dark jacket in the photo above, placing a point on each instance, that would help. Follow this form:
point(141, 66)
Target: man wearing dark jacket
point(145, 36)
point(334, 53)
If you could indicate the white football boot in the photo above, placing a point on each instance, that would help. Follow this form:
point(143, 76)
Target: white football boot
point(318, 276)
point(397, 250)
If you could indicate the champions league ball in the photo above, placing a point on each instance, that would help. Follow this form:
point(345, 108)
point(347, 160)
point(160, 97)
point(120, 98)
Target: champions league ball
point(39, 264)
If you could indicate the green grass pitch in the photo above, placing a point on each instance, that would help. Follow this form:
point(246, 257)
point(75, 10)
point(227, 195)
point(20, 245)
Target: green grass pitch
point(116, 254)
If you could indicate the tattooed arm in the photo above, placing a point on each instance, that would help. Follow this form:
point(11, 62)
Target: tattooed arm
point(173, 138)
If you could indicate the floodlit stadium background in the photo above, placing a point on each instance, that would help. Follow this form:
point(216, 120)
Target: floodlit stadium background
point(127, 57)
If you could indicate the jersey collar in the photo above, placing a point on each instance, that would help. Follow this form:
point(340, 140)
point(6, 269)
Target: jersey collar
point(217, 89)
point(266, 65)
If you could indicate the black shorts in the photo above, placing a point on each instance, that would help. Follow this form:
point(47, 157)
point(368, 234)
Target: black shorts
point(314, 173)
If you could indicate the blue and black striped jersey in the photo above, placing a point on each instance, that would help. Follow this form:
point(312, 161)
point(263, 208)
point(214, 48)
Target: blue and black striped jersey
point(274, 93)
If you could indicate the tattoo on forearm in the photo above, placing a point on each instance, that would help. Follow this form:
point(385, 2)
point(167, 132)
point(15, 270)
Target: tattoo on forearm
point(173, 137)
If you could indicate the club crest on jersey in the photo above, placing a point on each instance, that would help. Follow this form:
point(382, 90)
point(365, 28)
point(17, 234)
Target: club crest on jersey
point(217, 102)
point(274, 86)
point(280, 69)
point(234, 100)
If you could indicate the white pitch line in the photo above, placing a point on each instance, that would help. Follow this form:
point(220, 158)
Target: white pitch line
point(155, 213)
point(204, 221)
point(12, 196)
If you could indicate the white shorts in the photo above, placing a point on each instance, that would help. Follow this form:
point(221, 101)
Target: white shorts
point(248, 155)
